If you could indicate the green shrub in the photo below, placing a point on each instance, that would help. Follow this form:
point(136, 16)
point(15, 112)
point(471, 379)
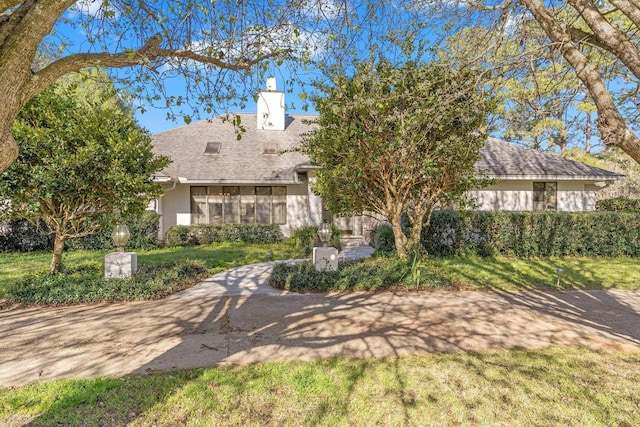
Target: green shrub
point(306, 238)
point(618, 204)
point(86, 283)
point(143, 229)
point(532, 234)
point(20, 235)
point(372, 274)
point(204, 234)
point(382, 238)
point(24, 236)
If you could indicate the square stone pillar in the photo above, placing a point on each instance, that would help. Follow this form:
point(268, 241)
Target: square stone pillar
point(120, 265)
point(325, 259)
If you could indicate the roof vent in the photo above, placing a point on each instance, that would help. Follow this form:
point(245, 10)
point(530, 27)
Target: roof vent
point(213, 148)
point(270, 148)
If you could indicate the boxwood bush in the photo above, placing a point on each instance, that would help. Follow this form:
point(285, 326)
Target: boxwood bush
point(531, 234)
point(204, 234)
point(86, 283)
point(618, 204)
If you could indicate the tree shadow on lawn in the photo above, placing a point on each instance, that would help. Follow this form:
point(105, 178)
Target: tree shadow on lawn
point(216, 324)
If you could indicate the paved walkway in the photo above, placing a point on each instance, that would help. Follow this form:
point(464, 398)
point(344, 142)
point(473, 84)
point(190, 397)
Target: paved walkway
point(235, 317)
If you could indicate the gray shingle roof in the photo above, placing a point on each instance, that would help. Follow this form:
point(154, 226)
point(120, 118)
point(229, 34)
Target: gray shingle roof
point(248, 160)
point(505, 160)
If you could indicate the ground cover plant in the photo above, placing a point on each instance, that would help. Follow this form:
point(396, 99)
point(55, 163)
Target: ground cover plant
point(23, 275)
point(556, 386)
point(470, 273)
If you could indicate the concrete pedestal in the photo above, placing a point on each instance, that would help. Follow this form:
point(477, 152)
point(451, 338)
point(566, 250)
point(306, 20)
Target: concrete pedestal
point(120, 265)
point(325, 259)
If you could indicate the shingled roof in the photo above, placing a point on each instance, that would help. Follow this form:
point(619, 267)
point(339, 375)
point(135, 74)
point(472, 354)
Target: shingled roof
point(504, 160)
point(261, 156)
point(257, 157)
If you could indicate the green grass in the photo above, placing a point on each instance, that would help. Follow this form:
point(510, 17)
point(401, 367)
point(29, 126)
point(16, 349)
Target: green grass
point(523, 273)
point(219, 257)
point(557, 386)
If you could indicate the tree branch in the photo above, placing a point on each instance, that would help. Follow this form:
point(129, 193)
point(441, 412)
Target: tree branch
point(615, 42)
point(149, 51)
point(5, 5)
point(631, 10)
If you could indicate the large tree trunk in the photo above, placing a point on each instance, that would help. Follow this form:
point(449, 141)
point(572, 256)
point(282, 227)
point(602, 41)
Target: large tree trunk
point(58, 248)
point(611, 124)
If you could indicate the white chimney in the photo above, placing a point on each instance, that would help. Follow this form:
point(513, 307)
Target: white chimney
point(271, 107)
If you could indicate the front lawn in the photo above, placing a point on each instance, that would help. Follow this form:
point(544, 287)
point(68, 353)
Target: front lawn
point(557, 386)
point(87, 266)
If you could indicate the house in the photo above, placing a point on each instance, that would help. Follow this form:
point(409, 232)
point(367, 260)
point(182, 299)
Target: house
point(242, 169)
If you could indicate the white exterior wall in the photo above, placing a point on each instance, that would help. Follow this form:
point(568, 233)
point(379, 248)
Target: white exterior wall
point(573, 196)
point(298, 208)
point(173, 205)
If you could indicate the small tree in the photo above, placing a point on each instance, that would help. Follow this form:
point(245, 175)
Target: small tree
point(82, 158)
point(393, 140)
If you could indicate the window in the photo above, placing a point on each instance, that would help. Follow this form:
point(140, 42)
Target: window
point(238, 204)
point(545, 196)
point(213, 148)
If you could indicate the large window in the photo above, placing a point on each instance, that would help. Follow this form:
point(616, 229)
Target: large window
point(545, 196)
point(238, 204)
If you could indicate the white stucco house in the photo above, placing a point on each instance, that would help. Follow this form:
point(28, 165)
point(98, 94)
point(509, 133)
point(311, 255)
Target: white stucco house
point(217, 178)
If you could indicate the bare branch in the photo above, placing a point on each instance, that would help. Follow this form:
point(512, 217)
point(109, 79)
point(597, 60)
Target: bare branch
point(481, 6)
point(149, 51)
point(630, 9)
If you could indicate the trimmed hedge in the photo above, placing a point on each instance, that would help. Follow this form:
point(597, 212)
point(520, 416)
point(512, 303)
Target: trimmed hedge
point(20, 235)
point(205, 234)
point(531, 234)
point(23, 236)
point(618, 204)
point(143, 229)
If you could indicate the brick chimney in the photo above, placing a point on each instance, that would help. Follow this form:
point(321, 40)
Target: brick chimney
point(271, 107)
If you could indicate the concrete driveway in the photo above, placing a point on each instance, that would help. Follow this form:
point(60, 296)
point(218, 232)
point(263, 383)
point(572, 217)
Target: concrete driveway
point(235, 317)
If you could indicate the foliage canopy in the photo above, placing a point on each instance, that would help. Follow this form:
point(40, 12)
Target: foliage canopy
point(397, 138)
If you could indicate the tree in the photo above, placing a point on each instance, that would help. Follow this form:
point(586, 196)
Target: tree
point(215, 45)
point(574, 28)
point(401, 139)
point(82, 158)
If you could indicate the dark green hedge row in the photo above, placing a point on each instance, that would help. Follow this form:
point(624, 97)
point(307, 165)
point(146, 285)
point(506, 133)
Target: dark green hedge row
point(528, 234)
point(204, 234)
point(23, 236)
point(618, 204)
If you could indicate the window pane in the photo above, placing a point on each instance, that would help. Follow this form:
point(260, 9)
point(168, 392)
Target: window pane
point(215, 209)
point(279, 191)
point(198, 205)
point(247, 191)
point(247, 212)
point(551, 198)
point(538, 196)
point(263, 191)
point(279, 212)
point(231, 191)
point(263, 209)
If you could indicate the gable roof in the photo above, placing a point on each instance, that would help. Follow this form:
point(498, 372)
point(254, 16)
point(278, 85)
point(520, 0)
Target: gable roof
point(504, 160)
point(261, 156)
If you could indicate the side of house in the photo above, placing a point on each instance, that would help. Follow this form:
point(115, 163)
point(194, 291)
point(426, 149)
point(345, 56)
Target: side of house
point(244, 169)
